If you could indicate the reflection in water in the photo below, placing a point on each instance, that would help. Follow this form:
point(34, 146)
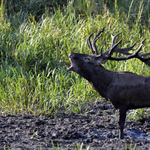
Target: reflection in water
point(138, 134)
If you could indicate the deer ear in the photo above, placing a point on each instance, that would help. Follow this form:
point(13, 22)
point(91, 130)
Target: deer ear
point(87, 59)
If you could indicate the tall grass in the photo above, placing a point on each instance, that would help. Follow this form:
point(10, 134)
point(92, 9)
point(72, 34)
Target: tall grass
point(34, 53)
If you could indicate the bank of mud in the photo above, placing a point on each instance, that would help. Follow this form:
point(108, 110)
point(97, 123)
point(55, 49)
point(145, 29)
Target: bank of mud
point(97, 128)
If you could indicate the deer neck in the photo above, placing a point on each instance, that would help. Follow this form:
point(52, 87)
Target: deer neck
point(101, 78)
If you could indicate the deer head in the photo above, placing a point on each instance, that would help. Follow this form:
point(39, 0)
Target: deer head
point(83, 61)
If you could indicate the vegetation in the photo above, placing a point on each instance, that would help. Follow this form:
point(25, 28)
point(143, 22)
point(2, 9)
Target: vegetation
point(37, 37)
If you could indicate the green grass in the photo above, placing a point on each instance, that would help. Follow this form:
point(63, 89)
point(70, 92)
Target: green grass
point(34, 49)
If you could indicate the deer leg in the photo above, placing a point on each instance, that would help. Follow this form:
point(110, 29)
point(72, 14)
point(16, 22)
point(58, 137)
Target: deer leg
point(122, 117)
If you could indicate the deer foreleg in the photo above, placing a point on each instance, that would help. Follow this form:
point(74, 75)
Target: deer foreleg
point(122, 117)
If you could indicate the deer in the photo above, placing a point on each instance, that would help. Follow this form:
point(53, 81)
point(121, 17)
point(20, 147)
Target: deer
point(124, 90)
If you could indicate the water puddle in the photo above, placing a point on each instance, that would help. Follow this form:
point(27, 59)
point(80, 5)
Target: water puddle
point(135, 133)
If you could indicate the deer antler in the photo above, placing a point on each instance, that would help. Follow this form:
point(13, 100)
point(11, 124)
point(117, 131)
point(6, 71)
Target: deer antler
point(107, 55)
point(92, 46)
point(120, 50)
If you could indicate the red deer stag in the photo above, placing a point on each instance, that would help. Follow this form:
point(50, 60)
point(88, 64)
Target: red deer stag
point(125, 90)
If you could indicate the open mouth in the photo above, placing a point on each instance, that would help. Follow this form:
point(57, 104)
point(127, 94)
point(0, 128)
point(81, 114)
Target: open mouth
point(71, 67)
point(72, 64)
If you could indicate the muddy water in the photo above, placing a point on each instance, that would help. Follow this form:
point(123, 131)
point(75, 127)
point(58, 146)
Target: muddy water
point(98, 129)
point(138, 134)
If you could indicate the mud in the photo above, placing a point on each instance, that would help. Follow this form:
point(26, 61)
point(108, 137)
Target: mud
point(97, 128)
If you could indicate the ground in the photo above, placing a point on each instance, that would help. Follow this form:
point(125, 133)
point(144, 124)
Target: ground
point(97, 128)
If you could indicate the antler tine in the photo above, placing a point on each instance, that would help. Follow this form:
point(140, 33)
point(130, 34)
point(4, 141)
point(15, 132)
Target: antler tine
point(89, 43)
point(94, 44)
point(95, 39)
point(122, 50)
point(119, 50)
point(125, 50)
point(136, 55)
point(112, 49)
point(138, 50)
point(114, 37)
point(101, 54)
point(112, 44)
point(145, 54)
point(145, 60)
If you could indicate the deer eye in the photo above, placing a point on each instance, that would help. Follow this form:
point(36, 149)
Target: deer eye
point(87, 59)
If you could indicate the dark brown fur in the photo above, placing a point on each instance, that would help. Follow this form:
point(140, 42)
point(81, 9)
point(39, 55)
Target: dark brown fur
point(124, 90)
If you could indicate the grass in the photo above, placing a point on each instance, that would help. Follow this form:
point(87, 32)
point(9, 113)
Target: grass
point(37, 37)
